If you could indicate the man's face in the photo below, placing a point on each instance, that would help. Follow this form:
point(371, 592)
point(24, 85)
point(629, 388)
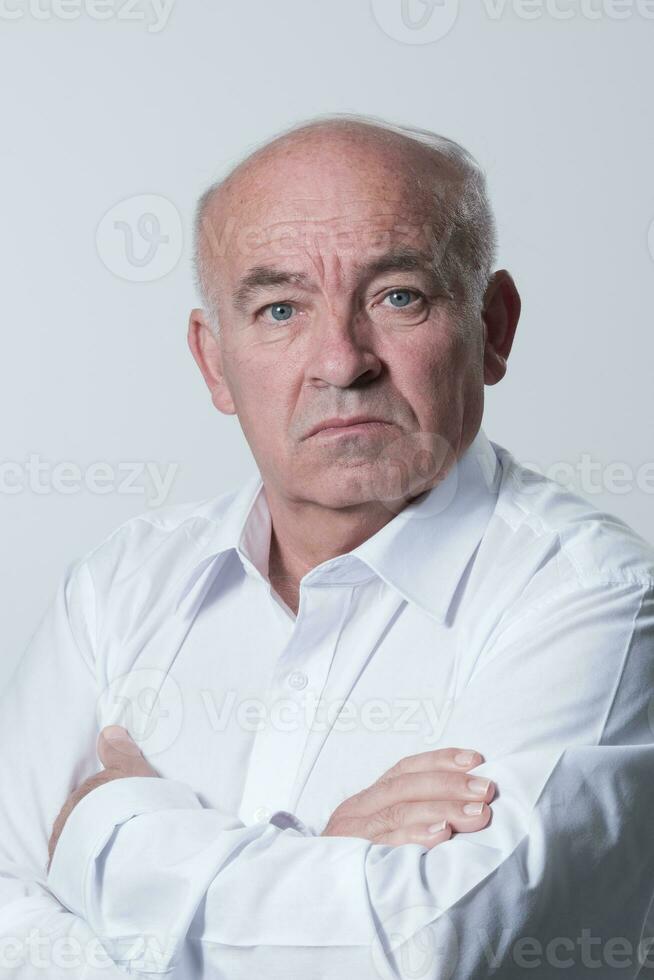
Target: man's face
point(332, 304)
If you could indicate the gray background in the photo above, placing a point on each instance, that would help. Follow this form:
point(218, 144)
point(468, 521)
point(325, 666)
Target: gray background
point(110, 119)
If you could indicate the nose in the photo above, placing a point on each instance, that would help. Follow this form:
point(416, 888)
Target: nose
point(341, 353)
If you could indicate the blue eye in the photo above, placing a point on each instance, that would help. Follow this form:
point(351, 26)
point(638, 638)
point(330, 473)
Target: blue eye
point(402, 293)
point(283, 309)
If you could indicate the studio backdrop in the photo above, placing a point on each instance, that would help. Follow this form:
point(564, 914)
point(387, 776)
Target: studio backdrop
point(116, 117)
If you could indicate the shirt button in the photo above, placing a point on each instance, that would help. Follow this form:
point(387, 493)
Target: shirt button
point(262, 814)
point(298, 680)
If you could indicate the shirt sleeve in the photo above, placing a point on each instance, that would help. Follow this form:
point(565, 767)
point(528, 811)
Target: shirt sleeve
point(559, 705)
point(48, 735)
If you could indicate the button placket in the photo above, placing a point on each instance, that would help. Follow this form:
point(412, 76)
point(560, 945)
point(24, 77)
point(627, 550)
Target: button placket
point(292, 700)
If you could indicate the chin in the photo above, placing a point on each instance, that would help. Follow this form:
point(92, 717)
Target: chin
point(350, 486)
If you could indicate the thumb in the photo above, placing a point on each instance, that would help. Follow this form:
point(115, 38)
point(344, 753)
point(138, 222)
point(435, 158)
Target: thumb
point(118, 750)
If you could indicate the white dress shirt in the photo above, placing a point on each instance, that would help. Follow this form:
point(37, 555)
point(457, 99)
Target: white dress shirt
point(499, 612)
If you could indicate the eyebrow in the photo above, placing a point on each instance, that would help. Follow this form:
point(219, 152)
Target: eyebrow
point(403, 259)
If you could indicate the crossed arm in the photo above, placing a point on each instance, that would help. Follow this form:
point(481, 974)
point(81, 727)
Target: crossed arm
point(569, 847)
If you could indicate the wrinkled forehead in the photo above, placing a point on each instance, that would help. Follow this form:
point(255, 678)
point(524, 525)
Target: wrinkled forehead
point(338, 229)
point(336, 206)
point(345, 231)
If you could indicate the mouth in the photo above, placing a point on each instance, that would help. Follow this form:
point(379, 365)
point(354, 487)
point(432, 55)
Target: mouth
point(359, 425)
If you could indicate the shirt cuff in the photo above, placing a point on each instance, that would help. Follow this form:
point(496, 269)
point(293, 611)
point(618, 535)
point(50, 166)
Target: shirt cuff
point(92, 822)
point(283, 819)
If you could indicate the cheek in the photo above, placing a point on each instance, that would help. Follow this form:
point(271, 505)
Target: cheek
point(262, 394)
point(425, 366)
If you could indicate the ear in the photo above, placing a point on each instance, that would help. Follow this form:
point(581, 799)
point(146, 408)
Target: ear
point(207, 353)
point(500, 315)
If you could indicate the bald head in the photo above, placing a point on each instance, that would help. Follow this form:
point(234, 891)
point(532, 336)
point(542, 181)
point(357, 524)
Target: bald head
point(318, 170)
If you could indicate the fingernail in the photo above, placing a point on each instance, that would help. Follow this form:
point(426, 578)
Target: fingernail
point(437, 828)
point(479, 786)
point(465, 758)
point(115, 731)
point(473, 809)
point(121, 740)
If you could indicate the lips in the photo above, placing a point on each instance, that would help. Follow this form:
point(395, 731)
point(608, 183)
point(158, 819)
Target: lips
point(342, 423)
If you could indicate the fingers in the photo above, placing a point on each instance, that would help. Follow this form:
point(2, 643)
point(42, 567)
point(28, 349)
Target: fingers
point(397, 823)
point(436, 760)
point(117, 750)
point(407, 823)
point(425, 815)
point(451, 759)
point(413, 787)
point(417, 793)
point(428, 836)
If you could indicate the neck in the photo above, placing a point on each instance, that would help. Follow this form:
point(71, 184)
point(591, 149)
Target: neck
point(305, 534)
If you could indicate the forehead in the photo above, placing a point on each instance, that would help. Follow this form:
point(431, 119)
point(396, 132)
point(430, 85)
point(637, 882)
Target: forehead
point(303, 233)
point(327, 201)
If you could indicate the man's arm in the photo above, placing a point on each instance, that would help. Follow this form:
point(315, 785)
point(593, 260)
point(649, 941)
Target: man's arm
point(48, 736)
point(48, 731)
point(558, 705)
point(49, 717)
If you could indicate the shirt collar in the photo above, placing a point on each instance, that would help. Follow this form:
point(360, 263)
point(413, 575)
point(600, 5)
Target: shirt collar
point(422, 552)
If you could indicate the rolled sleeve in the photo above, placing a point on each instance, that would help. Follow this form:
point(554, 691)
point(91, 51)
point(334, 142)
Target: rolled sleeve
point(92, 822)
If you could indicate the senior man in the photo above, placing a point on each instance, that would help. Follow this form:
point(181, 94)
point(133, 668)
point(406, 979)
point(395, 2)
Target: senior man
point(384, 710)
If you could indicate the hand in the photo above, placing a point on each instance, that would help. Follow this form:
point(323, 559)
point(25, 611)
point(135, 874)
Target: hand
point(121, 757)
point(421, 800)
